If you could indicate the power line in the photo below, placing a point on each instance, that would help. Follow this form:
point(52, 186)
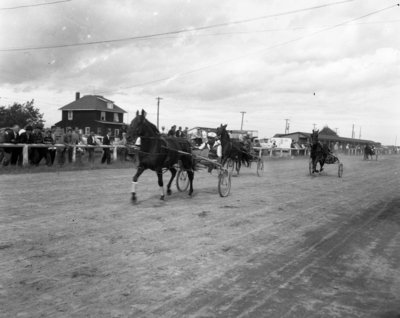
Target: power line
point(262, 50)
point(35, 5)
point(140, 37)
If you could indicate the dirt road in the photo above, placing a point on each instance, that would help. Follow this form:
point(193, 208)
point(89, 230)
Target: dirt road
point(283, 245)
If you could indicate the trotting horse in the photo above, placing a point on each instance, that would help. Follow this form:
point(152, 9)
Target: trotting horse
point(318, 152)
point(231, 149)
point(369, 152)
point(159, 152)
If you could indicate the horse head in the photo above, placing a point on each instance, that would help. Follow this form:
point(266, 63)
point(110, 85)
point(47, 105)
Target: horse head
point(221, 131)
point(141, 127)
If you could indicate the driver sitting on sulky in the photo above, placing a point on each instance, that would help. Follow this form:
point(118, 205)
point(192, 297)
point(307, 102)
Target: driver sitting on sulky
point(214, 147)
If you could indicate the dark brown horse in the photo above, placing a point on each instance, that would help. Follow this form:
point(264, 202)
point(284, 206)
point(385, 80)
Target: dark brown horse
point(231, 149)
point(159, 152)
point(319, 152)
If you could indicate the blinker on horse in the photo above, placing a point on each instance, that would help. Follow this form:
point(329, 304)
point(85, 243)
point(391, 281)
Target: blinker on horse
point(158, 152)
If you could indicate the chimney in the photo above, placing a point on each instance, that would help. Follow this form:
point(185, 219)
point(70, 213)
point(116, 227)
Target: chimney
point(77, 95)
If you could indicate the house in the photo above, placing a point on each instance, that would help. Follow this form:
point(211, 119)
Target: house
point(92, 113)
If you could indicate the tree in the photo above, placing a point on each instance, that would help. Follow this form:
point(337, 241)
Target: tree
point(21, 114)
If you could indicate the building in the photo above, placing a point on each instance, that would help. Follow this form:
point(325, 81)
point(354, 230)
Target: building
point(92, 113)
point(329, 137)
point(201, 132)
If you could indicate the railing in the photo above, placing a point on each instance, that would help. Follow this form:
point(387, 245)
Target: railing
point(280, 151)
point(25, 149)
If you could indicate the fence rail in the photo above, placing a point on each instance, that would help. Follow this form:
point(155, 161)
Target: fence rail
point(25, 149)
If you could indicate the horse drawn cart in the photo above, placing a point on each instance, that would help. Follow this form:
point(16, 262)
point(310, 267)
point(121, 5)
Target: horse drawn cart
point(224, 175)
point(330, 159)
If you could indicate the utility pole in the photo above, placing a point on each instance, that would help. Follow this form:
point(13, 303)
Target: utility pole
point(314, 126)
point(158, 110)
point(352, 132)
point(241, 126)
point(287, 126)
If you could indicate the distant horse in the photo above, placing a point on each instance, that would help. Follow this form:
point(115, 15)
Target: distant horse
point(319, 152)
point(231, 149)
point(369, 152)
point(159, 152)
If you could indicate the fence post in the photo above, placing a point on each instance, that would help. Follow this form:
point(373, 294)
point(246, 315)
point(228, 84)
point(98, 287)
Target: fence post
point(74, 154)
point(115, 153)
point(25, 155)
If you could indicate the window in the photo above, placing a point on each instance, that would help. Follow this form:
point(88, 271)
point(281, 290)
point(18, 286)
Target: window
point(116, 119)
point(70, 115)
point(110, 105)
point(103, 116)
point(116, 133)
point(87, 130)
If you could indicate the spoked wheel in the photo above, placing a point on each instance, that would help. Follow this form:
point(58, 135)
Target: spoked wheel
point(260, 167)
point(340, 170)
point(182, 180)
point(310, 167)
point(224, 183)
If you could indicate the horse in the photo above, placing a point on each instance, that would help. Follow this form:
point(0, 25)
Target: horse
point(369, 152)
point(159, 152)
point(231, 149)
point(318, 153)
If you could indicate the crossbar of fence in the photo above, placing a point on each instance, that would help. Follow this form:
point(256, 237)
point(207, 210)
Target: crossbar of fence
point(25, 149)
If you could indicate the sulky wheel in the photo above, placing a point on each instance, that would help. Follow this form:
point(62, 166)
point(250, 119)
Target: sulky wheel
point(260, 167)
point(182, 180)
point(340, 170)
point(224, 183)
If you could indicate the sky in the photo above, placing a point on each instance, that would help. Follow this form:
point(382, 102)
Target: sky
point(253, 64)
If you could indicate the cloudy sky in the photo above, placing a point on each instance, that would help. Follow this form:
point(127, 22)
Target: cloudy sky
point(314, 62)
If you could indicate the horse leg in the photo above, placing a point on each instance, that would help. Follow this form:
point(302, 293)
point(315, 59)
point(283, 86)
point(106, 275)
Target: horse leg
point(135, 178)
point(314, 165)
point(160, 183)
point(173, 174)
point(191, 177)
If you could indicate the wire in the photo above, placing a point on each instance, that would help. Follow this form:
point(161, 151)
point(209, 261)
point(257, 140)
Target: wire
point(172, 32)
point(35, 5)
point(262, 50)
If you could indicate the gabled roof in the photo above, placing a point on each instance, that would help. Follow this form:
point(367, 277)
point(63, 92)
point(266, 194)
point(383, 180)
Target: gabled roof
point(92, 102)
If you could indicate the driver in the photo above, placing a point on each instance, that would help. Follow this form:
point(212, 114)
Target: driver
point(214, 147)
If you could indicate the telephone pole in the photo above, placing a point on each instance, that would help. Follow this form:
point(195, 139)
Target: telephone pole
point(287, 126)
point(158, 110)
point(352, 132)
point(241, 126)
point(314, 126)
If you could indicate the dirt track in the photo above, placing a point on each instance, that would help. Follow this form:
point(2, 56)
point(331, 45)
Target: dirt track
point(283, 245)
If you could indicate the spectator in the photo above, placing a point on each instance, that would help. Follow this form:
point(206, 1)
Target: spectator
point(123, 150)
point(106, 150)
point(179, 132)
point(13, 155)
point(27, 138)
point(172, 131)
point(68, 150)
point(76, 139)
point(91, 141)
point(186, 132)
point(37, 152)
point(51, 151)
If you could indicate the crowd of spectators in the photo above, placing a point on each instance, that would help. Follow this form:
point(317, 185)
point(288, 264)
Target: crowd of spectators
point(36, 135)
